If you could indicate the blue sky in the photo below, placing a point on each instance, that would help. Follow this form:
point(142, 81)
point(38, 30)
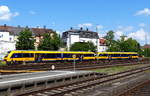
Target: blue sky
point(128, 17)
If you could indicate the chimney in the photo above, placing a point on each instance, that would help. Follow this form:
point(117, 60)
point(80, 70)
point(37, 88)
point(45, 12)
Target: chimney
point(87, 29)
point(19, 26)
point(27, 27)
point(5, 25)
point(44, 26)
point(81, 28)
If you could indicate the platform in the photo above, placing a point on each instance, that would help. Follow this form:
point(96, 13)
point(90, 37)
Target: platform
point(18, 84)
point(29, 77)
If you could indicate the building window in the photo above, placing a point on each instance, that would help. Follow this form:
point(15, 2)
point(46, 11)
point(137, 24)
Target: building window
point(10, 39)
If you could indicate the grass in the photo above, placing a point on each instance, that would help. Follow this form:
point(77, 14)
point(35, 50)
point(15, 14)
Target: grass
point(116, 69)
point(2, 63)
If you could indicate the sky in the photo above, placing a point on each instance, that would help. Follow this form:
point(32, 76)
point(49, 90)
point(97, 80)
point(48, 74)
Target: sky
point(124, 17)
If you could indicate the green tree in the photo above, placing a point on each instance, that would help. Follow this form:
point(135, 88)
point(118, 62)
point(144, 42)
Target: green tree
point(25, 40)
point(111, 42)
point(83, 46)
point(129, 45)
point(122, 44)
point(110, 38)
point(146, 52)
point(50, 42)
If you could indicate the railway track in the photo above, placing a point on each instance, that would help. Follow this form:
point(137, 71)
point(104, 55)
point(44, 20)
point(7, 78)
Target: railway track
point(86, 65)
point(68, 65)
point(80, 88)
point(142, 89)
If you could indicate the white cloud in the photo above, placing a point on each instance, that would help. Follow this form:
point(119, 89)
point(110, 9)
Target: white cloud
point(142, 24)
point(118, 33)
point(100, 26)
point(139, 35)
point(85, 25)
point(145, 12)
point(122, 30)
point(16, 14)
point(58, 32)
point(125, 29)
point(6, 14)
point(32, 12)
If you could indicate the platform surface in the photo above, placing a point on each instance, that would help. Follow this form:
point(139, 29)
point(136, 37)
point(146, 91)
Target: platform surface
point(30, 77)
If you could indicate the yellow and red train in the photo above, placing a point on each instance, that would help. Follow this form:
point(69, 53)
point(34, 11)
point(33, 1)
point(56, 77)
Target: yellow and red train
point(19, 56)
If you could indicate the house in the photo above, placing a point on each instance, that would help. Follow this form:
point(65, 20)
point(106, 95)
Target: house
point(9, 35)
point(146, 46)
point(74, 35)
point(102, 46)
point(7, 43)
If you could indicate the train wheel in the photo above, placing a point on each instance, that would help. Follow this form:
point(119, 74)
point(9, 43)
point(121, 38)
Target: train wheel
point(10, 63)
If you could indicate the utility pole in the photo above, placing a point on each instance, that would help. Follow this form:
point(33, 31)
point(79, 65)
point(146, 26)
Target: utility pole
point(145, 38)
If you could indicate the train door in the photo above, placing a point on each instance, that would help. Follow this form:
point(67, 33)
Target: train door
point(38, 57)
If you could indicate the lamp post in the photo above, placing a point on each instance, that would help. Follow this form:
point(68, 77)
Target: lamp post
point(74, 62)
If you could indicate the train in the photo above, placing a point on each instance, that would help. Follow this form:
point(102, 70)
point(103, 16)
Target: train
point(21, 56)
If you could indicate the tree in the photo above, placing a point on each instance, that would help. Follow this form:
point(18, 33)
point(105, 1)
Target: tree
point(50, 42)
point(110, 42)
point(25, 40)
point(146, 52)
point(83, 46)
point(122, 44)
point(110, 38)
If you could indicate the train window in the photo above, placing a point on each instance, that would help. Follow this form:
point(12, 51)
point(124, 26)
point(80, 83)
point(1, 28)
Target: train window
point(88, 55)
point(67, 55)
point(27, 54)
point(51, 55)
point(58, 55)
point(115, 55)
point(16, 55)
point(103, 54)
point(124, 55)
point(134, 54)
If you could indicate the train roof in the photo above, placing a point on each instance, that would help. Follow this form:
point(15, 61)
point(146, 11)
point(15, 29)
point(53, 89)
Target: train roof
point(33, 51)
point(117, 53)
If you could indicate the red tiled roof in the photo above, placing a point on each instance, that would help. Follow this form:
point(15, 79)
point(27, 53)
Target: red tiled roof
point(17, 30)
point(146, 46)
point(102, 41)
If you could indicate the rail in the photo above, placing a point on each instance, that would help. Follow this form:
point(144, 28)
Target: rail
point(80, 87)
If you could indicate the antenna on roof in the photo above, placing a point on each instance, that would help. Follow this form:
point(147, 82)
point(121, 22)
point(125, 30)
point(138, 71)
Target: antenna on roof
point(44, 26)
point(145, 38)
point(97, 29)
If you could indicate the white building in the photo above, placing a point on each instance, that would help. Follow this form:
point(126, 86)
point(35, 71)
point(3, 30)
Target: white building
point(7, 43)
point(72, 36)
